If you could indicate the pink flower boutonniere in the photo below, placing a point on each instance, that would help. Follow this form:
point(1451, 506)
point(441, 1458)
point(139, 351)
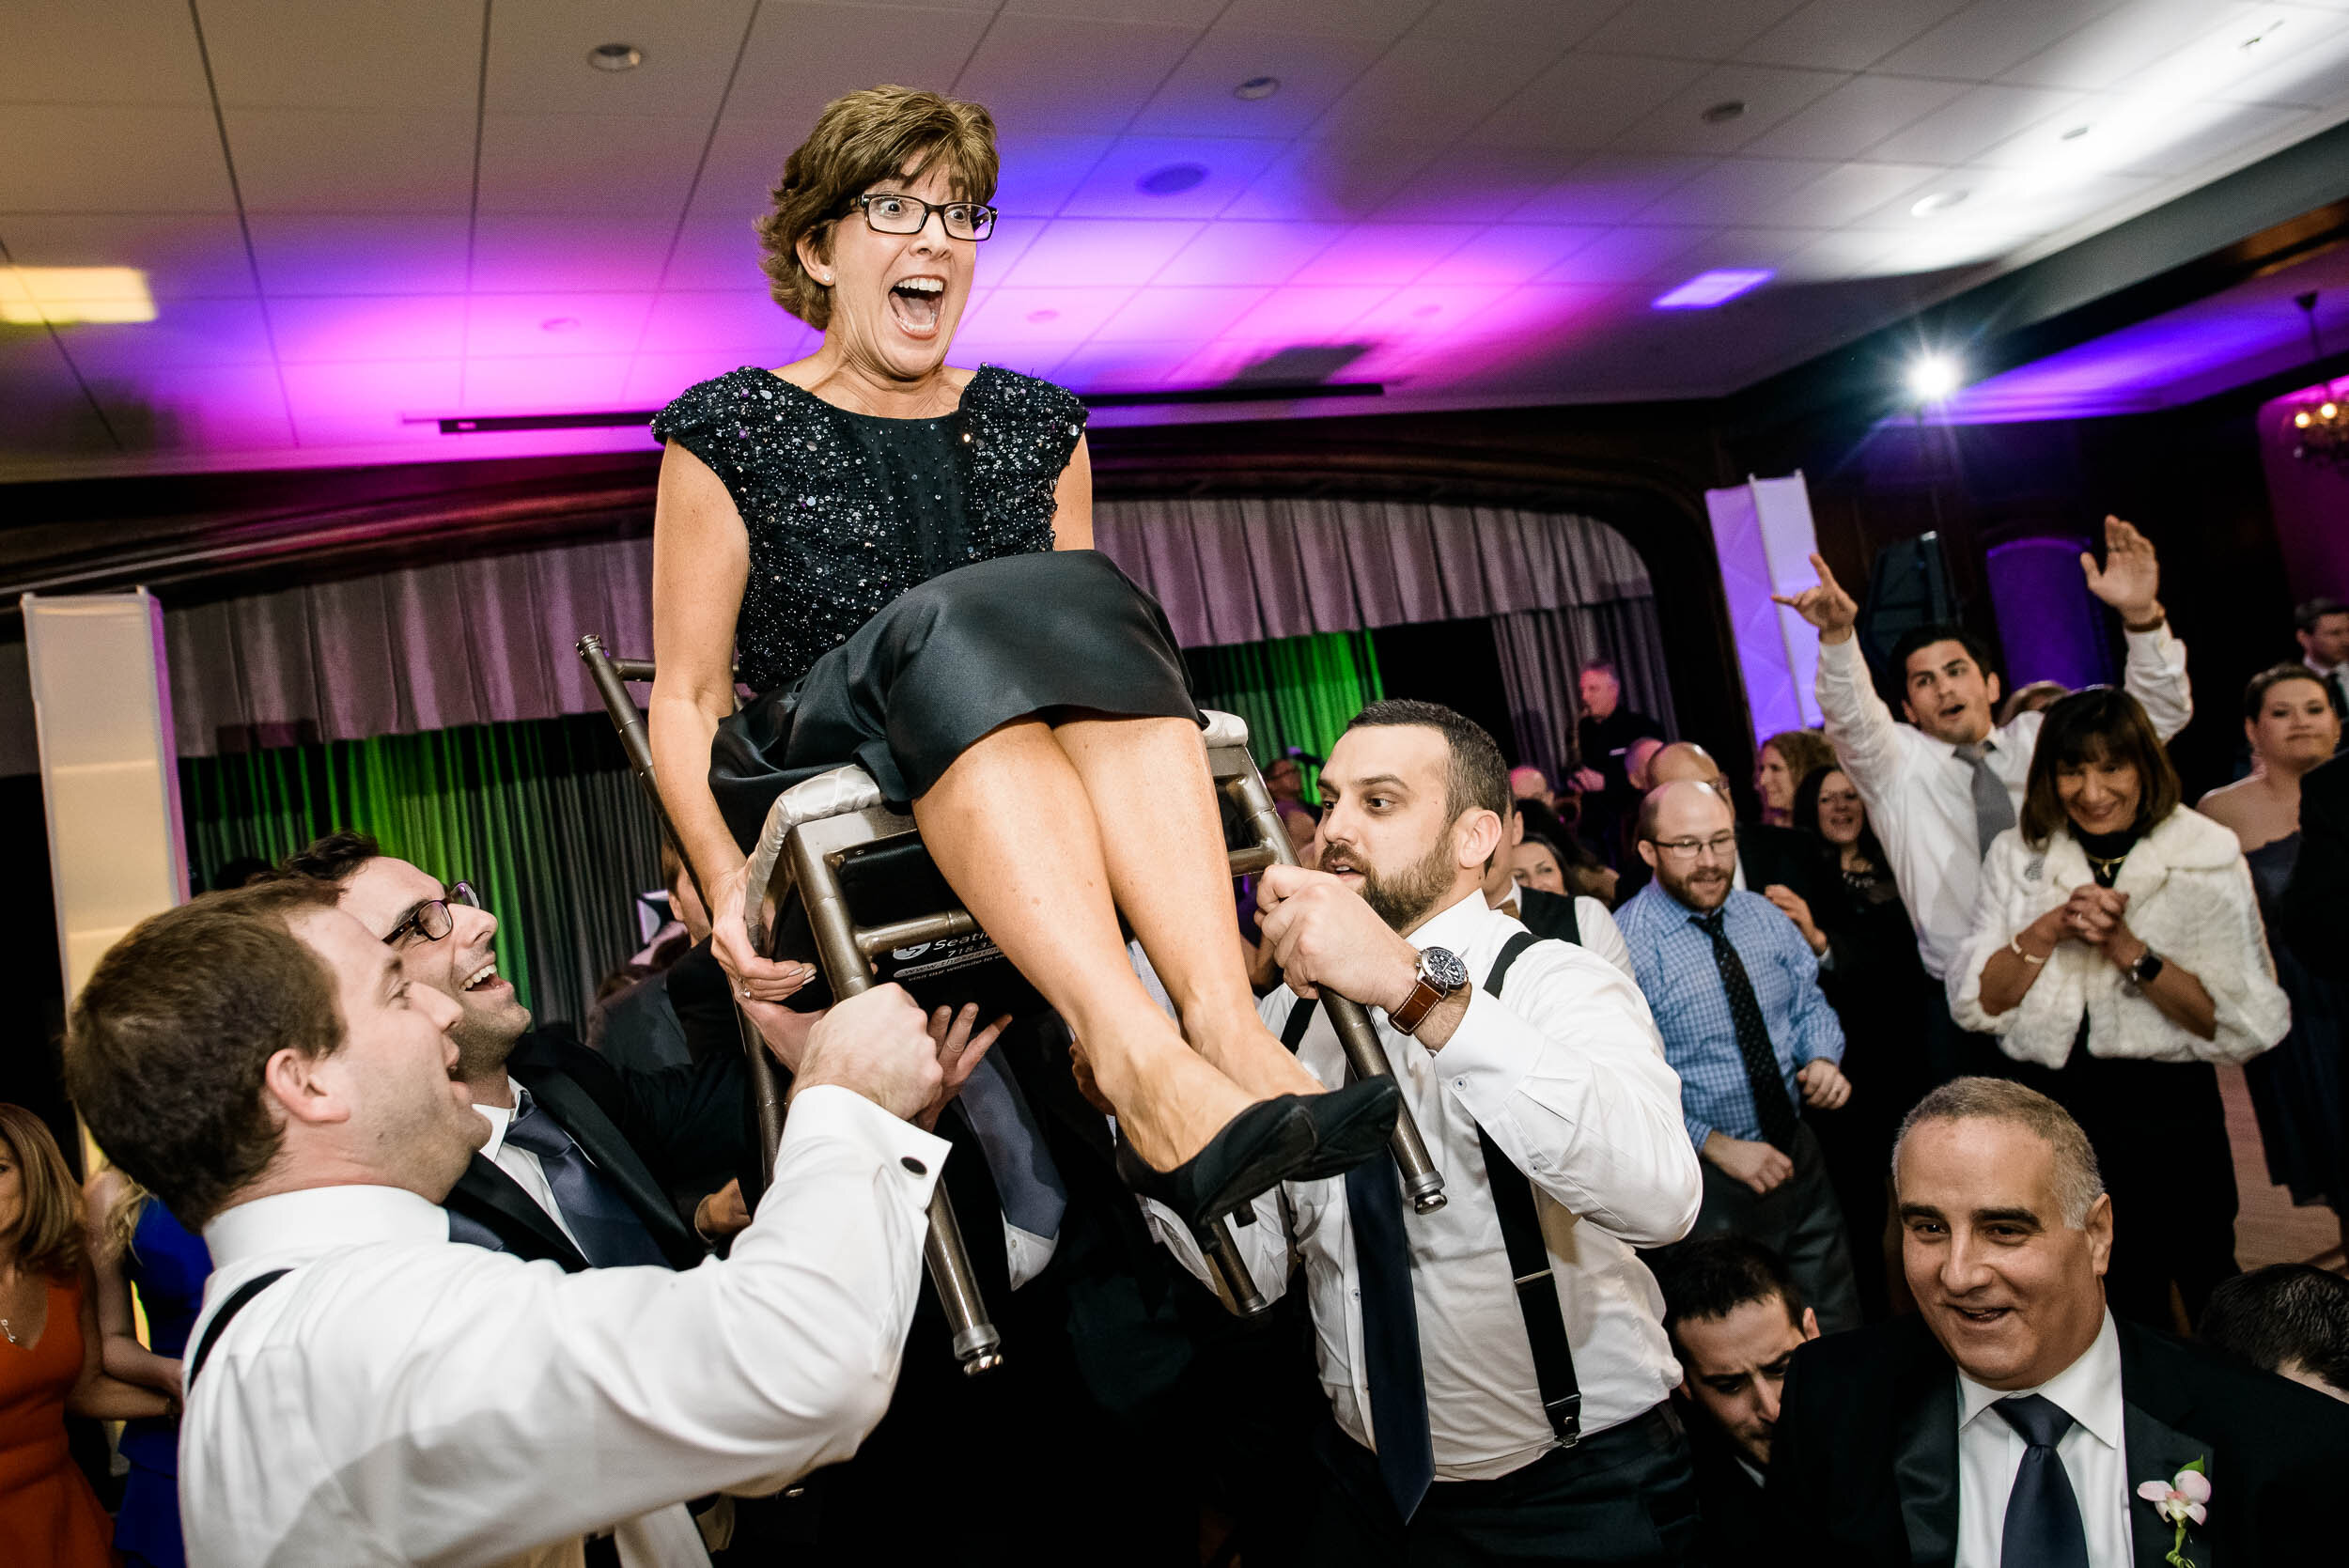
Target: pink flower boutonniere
point(2182, 1500)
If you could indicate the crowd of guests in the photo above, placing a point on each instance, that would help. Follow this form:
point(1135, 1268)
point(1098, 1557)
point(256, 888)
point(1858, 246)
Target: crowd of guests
point(1832, 1184)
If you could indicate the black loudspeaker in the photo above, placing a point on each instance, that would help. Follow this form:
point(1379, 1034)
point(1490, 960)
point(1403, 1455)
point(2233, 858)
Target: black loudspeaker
point(1908, 586)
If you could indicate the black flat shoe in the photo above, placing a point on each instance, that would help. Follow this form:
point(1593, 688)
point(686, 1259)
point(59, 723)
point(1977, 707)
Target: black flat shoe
point(1350, 1126)
point(1255, 1152)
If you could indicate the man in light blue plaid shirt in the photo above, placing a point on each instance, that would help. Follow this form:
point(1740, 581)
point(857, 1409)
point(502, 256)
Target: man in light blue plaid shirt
point(1736, 994)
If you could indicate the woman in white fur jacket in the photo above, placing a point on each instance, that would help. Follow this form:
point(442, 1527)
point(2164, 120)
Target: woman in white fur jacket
point(2117, 953)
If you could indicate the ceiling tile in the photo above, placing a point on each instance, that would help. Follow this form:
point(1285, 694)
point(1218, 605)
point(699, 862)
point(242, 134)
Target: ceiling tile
point(371, 327)
point(184, 332)
point(589, 383)
point(743, 161)
point(800, 58)
point(197, 409)
point(655, 380)
point(1845, 35)
point(2108, 50)
point(719, 251)
point(1585, 101)
point(565, 164)
point(1735, 190)
point(1754, 245)
point(1222, 167)
point(552, 326)
point(333, 161)
point(1610, 187)
point(1197, 99)
point(302, 254)
point(1854, 117)
point(1248, 252)
point(1430, 307)
point(1434, 88)
point(1099, 252)
point(1509, 253)
point(538, 56)
point(1324, 181)
point(112, 159)
point(420, 56)
point(1628, 255)
point(1099, 366)
point(1963, 129)
point(1690, 29)
point(1851, 191)
point(1041, 315)
point(1479, 184)
point(1040, 173)
point(519, 253)
point(1388, 254)
point(45, 413)
point(1296, 313)
point(1378, 21)
point(1189, 13)
point(742, 322)
point(1769, 93)
point(1102, 73)
point(1989, 36)
point(1533, 26)
point(184, 255)
point(1162, 315)
point(1838, 255)
point(358, 404)
point(2304, 75)
point(139, 52)
point(2196, 133)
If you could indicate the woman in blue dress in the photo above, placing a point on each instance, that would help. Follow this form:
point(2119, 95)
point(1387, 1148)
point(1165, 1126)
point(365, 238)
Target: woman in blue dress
point(896, 554)
point(135, 1242)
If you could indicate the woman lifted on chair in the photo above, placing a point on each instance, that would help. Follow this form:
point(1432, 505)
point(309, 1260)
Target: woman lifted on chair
point(899, 554)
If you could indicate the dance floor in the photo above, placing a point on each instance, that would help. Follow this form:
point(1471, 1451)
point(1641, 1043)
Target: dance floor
point(2268, 1229)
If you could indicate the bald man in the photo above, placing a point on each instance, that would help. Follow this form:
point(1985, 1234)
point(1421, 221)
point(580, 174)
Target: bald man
point(1784, 864)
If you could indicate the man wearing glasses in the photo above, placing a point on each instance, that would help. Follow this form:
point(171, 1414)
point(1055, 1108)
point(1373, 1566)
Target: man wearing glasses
point(583, 1160)
point(1736, 993)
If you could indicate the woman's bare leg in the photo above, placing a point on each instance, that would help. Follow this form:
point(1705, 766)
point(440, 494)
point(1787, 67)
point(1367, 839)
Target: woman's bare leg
point(1162, 844)
point(1012, 829)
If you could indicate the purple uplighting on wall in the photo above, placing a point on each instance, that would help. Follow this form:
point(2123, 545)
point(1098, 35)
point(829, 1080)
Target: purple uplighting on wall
point(1715, 288)
point(2050, 628)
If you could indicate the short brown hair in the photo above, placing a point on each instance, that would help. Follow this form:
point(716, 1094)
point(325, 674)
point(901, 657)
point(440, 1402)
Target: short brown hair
point(2255, 694)
point(2105, 724)
point(332, 859)
point(1998, 1099)
point(1477, 778)
point(48, 1237)
point(860, 140)
point(170, 1037)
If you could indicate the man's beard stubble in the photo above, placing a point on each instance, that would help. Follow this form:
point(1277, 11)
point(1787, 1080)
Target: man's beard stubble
point(483, 1046)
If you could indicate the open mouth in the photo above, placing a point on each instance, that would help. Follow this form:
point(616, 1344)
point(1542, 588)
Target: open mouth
point(483, 979)
point(916, 303)
point(1981, 1317)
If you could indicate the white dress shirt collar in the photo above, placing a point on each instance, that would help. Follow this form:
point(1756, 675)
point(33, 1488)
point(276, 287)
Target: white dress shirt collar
point(321, 1220)
point(1454, 927)
point(500, 1117)
point(2088, 1390)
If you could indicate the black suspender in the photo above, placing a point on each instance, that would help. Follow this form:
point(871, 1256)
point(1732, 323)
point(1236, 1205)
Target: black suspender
point(236, 1303)
point(1520, 1236)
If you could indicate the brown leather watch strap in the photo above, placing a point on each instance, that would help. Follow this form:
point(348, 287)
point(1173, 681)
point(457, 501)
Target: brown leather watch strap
point(1422, 1001)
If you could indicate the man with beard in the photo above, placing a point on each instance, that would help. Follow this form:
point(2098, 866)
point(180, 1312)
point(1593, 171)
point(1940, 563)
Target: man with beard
point(1736, 994)
point(582, 1158)
point(1497, 1369)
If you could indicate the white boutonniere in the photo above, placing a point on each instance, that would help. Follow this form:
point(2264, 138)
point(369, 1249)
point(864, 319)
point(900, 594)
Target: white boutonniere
point(2182, 1500)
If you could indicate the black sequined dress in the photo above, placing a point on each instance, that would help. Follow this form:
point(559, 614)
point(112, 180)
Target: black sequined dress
point(904, 597)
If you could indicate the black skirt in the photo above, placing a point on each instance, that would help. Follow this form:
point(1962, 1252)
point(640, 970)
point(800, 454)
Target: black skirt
point(945, 665)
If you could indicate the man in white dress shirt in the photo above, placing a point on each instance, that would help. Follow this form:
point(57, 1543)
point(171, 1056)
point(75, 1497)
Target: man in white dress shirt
point(1942, 786)
point(2013, 1421)
point(362, 1391)
point(1453, 1392)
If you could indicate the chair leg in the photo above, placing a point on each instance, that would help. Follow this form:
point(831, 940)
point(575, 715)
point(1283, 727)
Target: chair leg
point(977, 1347)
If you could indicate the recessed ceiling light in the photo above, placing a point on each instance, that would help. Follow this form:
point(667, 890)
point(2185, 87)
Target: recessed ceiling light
point(1048, 313)
point(1934, 377)
point(60, 296)
point(1723, 112)
point(1172, 181)
point(1718, 287)
point(616, 56)
point(1940, 201)
point(1424, 312)
point(1256, 87)
point(2078, 131)
point(559, 325)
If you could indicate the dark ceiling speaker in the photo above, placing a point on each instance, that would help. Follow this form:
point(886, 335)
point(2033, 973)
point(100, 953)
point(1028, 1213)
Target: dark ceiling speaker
point(1908, 586)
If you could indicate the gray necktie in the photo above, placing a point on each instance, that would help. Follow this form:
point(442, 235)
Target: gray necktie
point(1026, 1179)
point(1994, 808)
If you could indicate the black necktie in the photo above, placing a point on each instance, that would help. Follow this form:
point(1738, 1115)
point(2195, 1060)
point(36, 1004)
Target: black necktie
point(609, 1232)
point(2042, 1517)
point(1398, 1385)
point(1770, 1104)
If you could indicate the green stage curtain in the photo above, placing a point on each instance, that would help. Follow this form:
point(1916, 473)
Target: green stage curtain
point(542, 816)
point(1293, 691)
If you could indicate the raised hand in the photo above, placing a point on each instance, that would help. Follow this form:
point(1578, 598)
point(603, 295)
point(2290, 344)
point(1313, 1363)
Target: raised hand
point(1827, 606)
point(2130, 579)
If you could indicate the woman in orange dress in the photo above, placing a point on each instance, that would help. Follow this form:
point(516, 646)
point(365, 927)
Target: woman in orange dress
point(49, 1359)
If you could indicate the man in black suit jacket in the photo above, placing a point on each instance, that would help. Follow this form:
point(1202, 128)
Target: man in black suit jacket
point(1736, 1319)
point(2315, 922)
point(644, 1136)
point(1921, 1440)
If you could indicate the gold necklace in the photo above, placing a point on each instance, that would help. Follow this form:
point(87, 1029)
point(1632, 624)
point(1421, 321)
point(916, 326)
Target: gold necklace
point(2107, 865)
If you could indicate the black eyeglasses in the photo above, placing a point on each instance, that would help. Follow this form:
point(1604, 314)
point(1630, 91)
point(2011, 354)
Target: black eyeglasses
point(430, 919)
point(888, 212)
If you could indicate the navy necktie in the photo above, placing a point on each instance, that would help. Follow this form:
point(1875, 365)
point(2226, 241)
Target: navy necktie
point(1771, 1104)
point(1026, 1179)
point(1398, 1385)
point(610, 1234)
point(2042, 1517)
